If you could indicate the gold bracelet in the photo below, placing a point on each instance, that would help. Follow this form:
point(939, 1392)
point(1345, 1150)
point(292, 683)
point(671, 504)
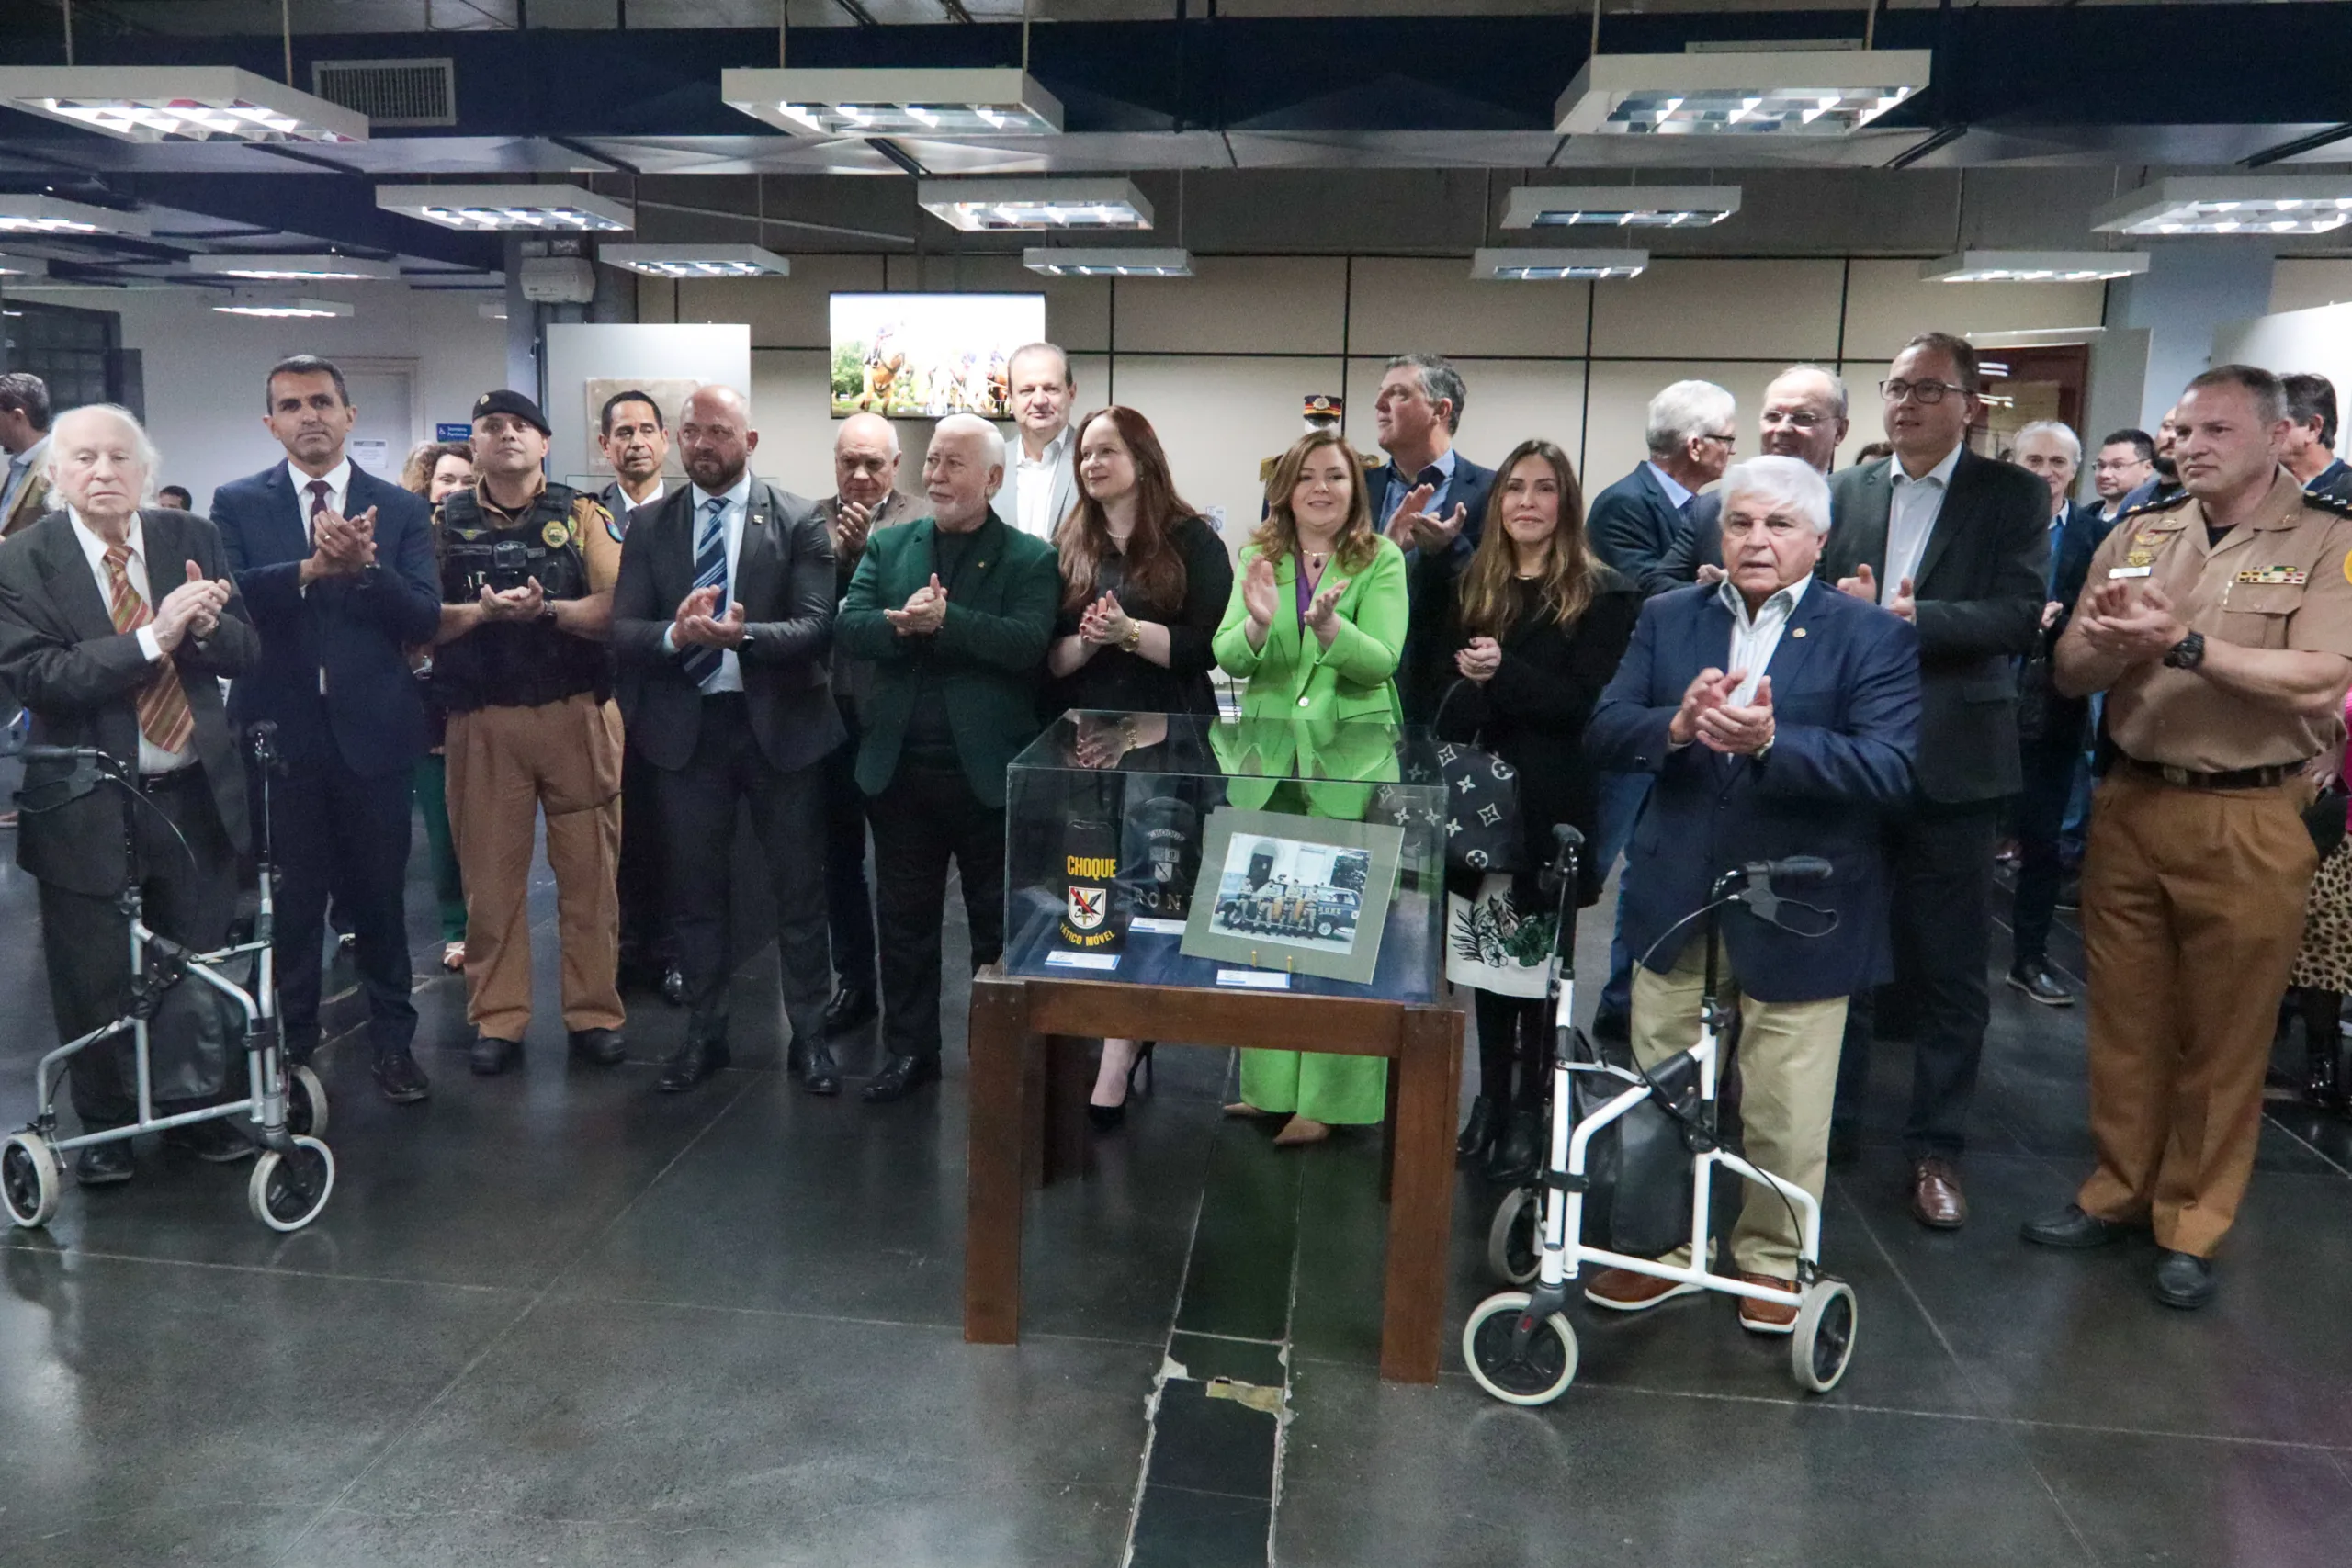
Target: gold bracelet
point(1133, 640)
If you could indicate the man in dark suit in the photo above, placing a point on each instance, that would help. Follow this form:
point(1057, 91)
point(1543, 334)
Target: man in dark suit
point(1804, 417)
point(1959, 546)
point(116, 627)
point(1778, 718)
point(2308, 451)
point(722, 624)
point(1635, 525)
point(635, 440)
point(337, 567)
point(2051, 728)
point(953, 611)
point(1431, 500)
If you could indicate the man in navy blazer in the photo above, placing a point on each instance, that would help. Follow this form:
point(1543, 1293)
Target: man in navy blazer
point(1428, 497)
point(1777, 717)
point(336, 570)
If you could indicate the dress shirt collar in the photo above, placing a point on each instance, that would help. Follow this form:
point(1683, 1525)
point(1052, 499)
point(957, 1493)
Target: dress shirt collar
point(95, 547)
point(1046, 459)
point(1676, 491)
point(1787, 598)
point(735, 495)
point(337, 480)
point(1939, 476)
point(660, 489)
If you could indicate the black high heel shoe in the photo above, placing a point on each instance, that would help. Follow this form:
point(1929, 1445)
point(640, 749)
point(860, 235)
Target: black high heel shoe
point(1477, 1133)
point(1106, 1118)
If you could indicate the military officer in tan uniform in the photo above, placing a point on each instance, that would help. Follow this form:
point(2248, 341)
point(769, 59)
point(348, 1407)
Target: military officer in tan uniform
point(527, 569)
point(2219, 626)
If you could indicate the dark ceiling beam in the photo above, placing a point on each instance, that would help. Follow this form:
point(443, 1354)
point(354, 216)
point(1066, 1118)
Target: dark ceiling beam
point(953, 10)
point(1943, 136)
point(857, 13)
point(2301, 144)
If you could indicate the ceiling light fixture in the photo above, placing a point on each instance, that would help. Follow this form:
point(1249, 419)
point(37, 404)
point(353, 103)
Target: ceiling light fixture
point(178, 103)
point(696, 261)
point(23, 266)
point(48, 215)
point(1536, 266)
point(294, 268)
point(1742, 93)
point(1138, 262)
point(888, 102)
point(979, 206)
point(2229, 206)
point(276, 308)
point(2034, 266)
point(1622, 207)
point(529, 209)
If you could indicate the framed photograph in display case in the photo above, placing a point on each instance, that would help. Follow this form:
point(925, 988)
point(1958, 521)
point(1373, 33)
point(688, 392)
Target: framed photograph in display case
point(1278, 890)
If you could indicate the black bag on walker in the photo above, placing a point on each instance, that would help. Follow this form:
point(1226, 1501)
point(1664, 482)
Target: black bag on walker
point(1639, 1165)
point(193, 1037)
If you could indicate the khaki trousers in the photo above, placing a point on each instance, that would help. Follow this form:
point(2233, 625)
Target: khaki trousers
point(507, 765)
point(1788, 1075)
point(2192, 914)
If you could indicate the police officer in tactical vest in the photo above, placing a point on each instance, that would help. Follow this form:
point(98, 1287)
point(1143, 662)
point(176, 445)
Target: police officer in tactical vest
point(527, 567)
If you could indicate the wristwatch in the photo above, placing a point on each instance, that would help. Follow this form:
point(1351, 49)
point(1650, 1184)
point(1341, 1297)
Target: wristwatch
point(2187, 653)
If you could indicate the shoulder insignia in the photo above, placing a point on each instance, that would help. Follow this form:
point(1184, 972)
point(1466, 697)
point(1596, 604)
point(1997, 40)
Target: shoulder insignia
point(2319, 500)
point(2145, 507)
point(612, 528)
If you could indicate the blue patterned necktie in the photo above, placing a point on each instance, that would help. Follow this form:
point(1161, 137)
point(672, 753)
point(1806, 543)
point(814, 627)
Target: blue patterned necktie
point(710, 570)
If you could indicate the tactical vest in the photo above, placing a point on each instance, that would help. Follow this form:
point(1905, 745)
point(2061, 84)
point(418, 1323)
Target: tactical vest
point(514, 664)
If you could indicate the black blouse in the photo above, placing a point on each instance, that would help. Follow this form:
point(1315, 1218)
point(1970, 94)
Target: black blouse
point(1118, 681)
point(1532, 711)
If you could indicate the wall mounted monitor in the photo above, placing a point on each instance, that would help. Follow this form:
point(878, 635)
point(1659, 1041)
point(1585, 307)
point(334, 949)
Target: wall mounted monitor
point(927, 356)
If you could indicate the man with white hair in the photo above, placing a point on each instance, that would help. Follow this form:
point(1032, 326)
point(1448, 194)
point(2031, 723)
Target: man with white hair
point(953, 611)
point(866, 497)
point(1744, 775)
point(117, 628)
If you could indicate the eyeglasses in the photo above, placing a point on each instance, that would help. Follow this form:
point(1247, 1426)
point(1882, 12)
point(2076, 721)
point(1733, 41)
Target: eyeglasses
point(1728, 437)
point(1925, 393)
point(1802, 419)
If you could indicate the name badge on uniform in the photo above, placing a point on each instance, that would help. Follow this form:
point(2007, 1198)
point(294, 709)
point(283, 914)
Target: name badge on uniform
point(2284, 576)
point(2131, 570)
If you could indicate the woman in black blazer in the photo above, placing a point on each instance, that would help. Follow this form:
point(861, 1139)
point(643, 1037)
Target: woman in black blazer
point(1537, 625)
point(1144, 581)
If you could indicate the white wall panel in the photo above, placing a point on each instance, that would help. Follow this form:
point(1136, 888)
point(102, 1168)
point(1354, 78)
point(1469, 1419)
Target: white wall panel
point(1717, 310)
point(1402, 305)
point(1236, 305)
point(1220, 418)
point(1887, 305)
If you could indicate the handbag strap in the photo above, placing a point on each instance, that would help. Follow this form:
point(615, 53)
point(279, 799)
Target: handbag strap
point(1437, 720)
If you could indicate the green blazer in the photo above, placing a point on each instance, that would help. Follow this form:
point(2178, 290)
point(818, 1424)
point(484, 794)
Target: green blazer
point(991, 651)
point(1294, 676)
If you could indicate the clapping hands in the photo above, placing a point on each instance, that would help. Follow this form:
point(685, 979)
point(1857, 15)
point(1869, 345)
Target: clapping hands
point(1709, 716)
point(698, 624)
point(1105, 624)
point(925, 611)
point(192, 609)
point(341, 547)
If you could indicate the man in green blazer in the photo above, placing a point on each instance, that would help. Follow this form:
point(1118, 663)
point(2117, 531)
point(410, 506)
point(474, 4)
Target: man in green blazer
point(954, 611)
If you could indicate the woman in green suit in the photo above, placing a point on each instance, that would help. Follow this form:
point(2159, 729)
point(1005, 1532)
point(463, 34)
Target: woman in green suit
point(1315, 626)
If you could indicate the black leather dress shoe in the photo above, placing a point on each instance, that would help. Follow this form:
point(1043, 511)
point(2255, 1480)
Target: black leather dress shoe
point(1516, 1154)
point(2184, 1281)
point(899, 1078)
point(851, 1007)
point(692, 1063)
point(2073, 1229)
point(2034, 978)
point(815, 1068)
point(103, 1165)
point(1478, 1139)
point(491, 1056)
point(214, 1141)
point(602, 1046)
point(400, 1079)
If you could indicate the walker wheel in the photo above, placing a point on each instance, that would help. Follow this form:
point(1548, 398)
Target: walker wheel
point(1537, 1377)
point(28, 1180)
point(1512, 1249)
point(1822, 1342)
point(306, 1102)
point(288, 1193)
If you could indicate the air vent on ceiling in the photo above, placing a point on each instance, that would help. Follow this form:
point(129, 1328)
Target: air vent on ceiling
point(391, 92)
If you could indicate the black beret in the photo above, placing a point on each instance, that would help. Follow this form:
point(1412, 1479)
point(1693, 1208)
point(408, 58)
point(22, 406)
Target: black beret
point(515, 403)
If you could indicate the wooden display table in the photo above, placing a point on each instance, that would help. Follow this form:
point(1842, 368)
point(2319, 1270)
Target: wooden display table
point(1028, 1106)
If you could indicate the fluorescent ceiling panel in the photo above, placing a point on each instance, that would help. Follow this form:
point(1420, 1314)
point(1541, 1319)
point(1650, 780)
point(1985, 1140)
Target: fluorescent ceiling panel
point(2037, 337)
point(2034, 266)
point(887, 102)
point(2246, 204)
point(1531, 265)
point(178, 103)
point(543, 209)
point(979, 206)
point(696, 261)
point(278, 309)
point(1621, 207)
point(1131, 262)
point(48, 215)
point(1747, 92)
point(294, 268)
point(23, 266)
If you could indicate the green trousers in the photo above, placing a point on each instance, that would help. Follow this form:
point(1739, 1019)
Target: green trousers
point(430, 784)
point(1341, 1091)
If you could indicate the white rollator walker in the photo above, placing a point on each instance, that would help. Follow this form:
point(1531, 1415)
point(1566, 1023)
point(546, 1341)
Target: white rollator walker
point(1519, 1343)
point(287, 1106)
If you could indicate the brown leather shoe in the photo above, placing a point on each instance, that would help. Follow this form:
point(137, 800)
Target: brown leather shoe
point(1937, 1201)
point(1769, 1317)
point(1622, 1289)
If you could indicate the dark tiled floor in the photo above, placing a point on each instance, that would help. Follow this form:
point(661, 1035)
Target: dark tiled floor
point(559, 1318)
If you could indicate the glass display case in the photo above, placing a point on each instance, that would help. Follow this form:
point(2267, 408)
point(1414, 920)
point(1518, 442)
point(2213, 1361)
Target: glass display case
point(1268, 854)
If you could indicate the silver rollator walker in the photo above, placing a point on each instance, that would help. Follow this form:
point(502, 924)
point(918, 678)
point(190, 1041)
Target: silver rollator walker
point(1519, 1343)
point(294, 1173)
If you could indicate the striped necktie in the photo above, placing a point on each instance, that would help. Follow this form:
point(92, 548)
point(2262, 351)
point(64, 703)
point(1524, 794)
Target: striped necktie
point(701, 664)
point(164, 716)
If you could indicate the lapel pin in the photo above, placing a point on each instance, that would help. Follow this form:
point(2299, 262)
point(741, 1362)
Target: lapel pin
point(1796, 631)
